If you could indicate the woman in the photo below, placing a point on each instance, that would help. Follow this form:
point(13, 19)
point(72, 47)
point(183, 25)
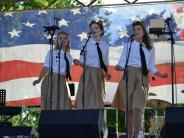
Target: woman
point(141, 57)
point(97, 51)
point(54, 95)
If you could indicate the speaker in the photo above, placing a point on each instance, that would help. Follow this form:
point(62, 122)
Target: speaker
point(16, 130)
point(71, 124)
point(112, 132)
point(174, 122)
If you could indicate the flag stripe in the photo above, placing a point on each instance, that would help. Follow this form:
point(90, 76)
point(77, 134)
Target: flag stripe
point(162, 92)
point(36, 53)
point(12, 70)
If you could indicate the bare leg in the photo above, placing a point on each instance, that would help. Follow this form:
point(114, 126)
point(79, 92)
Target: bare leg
point(130, 124)
point(137, 120)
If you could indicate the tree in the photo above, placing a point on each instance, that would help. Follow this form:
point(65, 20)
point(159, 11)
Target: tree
point(10, 5)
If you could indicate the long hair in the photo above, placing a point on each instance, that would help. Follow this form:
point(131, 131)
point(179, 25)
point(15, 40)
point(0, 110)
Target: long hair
point(146, 38)
point(100, 24)
point(57, 43)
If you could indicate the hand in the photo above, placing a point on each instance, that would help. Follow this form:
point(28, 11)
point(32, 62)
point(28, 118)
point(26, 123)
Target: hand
point(164, 75)
point(107, 76)
point(76, 62)
point(161, 75)
point(118, 68)
point(36, 82)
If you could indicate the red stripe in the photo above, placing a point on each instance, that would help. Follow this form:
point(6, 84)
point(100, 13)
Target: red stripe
point(34, 102)
point(16, 69)
point(182, 34)
point(27, 102)
point(11, 70)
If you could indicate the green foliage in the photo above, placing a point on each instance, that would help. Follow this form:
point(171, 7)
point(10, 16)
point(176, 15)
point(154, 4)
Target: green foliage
point(12, 5)
point(34, 4)
point(30, 117)
point(111, 118)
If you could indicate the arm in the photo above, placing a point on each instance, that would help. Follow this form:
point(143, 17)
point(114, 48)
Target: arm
point(77, 62)
point(106, 61)
point(118, 68)
point(43, 72)
point(152, 68)
point(70, 59)
point(80, 60)
point(161, 75)
point(121, 64)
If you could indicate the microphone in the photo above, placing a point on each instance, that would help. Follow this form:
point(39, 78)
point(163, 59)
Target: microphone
point(91, 32)
point(131, 37)
point(57, 18)
point(50, 28)
point(168, 19)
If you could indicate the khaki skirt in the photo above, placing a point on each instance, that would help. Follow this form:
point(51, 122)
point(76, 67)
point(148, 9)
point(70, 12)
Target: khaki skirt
point(137, 91)
point(58, 99)
point(93, 91)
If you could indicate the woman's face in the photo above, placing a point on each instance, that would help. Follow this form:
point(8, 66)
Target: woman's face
point(138, 32)
point(63, 41)
point(96, 30)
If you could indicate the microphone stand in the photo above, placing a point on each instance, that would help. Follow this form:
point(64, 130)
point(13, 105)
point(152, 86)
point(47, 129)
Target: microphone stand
point(172, 59)
point(125, 76)
point(58, 86)
point(84, 52)
point(172, 54)
point(51, 31)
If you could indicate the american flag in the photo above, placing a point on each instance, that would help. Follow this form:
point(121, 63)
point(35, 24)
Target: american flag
point(24, 44)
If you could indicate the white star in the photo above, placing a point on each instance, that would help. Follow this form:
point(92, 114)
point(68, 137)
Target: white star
point(83, 36)
point(152, 11)
point(122, 33)
point(112, 10)
point(76, 11)
point(63, 22)
point(8, 14)
point(28, 24)
point(179, 18)
point(49, 36)
point(135, 18)
point(14, 33)
point(42, 12)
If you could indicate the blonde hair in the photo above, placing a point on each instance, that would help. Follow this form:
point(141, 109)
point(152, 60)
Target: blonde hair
point(57, 46)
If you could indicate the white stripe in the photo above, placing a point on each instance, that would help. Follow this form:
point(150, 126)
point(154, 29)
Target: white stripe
point(23, 89)
point(164, 92)
point(30, 53)
point(37, 52)
point(20, 89)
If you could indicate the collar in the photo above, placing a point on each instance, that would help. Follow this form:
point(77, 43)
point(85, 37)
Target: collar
point(94, 42)
point(137, 43)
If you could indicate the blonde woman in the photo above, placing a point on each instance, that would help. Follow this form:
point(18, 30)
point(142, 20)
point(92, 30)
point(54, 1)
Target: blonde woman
point(56, 98)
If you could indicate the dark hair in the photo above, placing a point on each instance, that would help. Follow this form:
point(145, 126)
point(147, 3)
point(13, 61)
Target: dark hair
point(57, 44)
point(146, 38)
point(100, 24)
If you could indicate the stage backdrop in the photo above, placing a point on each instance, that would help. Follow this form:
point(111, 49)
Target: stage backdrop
point(24, 44)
